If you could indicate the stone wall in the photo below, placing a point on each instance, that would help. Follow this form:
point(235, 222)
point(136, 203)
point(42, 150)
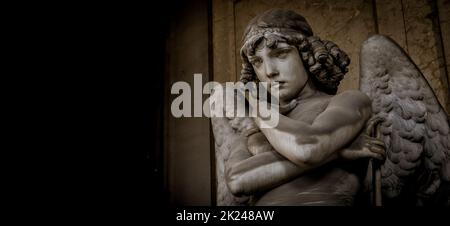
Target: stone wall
point(187, 140)
point(421, 27)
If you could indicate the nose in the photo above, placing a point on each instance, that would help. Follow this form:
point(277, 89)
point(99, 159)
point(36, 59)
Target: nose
point(271, 69)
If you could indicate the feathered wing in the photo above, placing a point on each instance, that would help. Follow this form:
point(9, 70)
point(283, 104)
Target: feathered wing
point(225, 136)
point(416, 128)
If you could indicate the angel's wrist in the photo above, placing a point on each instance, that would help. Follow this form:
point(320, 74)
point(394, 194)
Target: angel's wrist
point(250, 132)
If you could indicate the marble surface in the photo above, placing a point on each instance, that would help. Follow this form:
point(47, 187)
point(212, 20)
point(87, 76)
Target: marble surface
point(347, 23)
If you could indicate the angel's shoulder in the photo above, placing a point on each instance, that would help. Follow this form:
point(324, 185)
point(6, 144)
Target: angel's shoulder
point(350, 98)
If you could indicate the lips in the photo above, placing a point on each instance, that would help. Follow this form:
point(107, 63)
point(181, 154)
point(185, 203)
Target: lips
point(278, 83)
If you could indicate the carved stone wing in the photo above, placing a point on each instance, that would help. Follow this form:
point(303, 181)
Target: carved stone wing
point(415, 130)
point(225, 135)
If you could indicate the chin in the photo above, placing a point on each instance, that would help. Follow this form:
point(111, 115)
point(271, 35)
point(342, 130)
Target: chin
point(283, 98)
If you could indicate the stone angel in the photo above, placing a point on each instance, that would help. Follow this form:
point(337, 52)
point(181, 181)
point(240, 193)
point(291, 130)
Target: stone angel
point(326, 147)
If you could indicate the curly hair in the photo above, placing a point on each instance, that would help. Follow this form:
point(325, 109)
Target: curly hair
point(322, 59)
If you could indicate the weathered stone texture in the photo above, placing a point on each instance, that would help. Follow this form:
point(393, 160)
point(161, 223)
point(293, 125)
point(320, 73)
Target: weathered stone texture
point(347, 23)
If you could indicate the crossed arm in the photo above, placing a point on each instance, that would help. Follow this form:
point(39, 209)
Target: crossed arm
point(298, 146)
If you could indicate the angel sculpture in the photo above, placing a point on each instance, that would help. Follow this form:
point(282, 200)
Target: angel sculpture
point(326, 146)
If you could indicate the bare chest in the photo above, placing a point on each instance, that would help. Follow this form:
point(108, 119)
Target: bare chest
point(308, 110)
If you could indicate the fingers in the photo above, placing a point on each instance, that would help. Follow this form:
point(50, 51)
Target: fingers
point(373, 152)
point(366, 152)
point(377, 142)
point(377, 156)
point(354, 155)
point(374, 121)
point(376, 146)
point(369, 147)
point(371, 141)
point(378, 151)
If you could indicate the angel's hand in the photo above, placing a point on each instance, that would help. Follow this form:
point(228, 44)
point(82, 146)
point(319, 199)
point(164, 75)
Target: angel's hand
point(257, 143)
point(366, 145)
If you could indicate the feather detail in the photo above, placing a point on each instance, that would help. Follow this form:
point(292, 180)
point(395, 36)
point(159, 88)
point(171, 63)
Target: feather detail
point(415, 130)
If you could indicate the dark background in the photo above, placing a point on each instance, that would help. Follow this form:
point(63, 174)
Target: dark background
point(100, 74)
point(96, 82)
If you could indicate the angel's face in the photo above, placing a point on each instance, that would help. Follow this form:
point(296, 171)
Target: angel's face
point(281, 64)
